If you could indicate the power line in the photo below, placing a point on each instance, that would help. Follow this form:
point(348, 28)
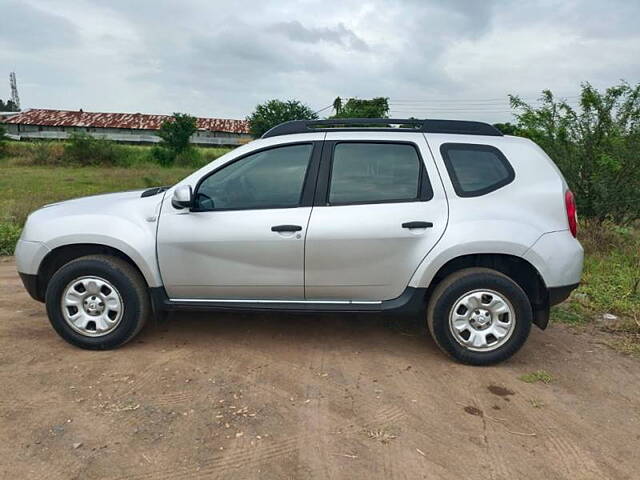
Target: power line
point(323, 109)
point(475, 100)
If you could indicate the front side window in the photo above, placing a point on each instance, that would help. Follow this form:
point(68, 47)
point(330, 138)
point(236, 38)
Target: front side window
point(271, 178)
point(476, 169)
point(374, 172)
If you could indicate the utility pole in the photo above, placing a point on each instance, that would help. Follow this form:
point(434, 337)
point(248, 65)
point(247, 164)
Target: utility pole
point(14, 90)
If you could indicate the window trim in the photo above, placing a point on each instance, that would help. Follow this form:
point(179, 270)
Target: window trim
point(323, 188)
point(479, 147)
point(308, 184)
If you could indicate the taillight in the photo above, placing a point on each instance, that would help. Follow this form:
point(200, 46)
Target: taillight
point(572, 212)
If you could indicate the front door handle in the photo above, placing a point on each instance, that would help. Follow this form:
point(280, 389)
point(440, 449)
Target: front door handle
point(286, 228)
point(417, 225)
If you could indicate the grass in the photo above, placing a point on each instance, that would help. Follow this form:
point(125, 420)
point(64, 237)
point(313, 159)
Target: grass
point(36, 173)
point(535, 403)
point(52, 153)
point(26, 188)
point(537, 376)
point(610, 284)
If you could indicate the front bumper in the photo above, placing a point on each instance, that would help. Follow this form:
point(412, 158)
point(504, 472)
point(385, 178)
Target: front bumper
point(29, 255)
point(30, 283)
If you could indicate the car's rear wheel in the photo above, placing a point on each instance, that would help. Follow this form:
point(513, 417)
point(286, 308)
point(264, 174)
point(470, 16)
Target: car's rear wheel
point(479, 316)
point(97, 302)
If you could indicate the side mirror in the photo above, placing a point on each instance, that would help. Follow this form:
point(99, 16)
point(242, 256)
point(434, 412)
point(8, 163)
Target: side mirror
point(182, 197)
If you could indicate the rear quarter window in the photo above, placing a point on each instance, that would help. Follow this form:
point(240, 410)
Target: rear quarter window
point(476, 169)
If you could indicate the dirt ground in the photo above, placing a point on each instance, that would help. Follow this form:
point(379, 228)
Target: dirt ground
point(315, 396)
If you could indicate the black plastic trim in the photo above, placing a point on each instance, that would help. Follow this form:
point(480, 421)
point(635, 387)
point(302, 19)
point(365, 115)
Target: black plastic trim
point(417, 225)
point(425, 190)
point(286, 228)
point(30, 283)
point(560, 294)
point(444, 151)
point(411, 302)
point(153, 191)
point(460, 127)
point(541, 315)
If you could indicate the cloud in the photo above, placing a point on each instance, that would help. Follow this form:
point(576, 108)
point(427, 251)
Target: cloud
point(437, 58)
point(25, 27)
point(338, 35)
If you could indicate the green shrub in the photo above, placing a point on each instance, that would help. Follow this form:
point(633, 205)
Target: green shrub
point(84, 150)
point(9, 234)
point(596, 145)
point(209, 154)
point(163, 156)
point(35, 153)
point(47, 153)
point(190, 157)
point(2, 141)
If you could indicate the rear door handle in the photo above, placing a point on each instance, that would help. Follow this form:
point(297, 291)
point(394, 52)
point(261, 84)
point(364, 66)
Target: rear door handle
point(417, 225)
point(286, 228)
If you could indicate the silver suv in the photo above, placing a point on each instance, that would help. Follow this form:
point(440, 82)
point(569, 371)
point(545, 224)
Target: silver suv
point(450, 219)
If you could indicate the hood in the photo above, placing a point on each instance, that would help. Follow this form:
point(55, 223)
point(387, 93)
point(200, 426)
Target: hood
point(95, 200)
point(93, 213)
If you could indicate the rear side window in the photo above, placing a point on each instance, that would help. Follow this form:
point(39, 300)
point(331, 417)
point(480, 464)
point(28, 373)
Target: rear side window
point(375, 173)
point(476, 169)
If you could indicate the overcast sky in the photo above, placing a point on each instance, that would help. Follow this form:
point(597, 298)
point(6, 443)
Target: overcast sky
point(438, 59)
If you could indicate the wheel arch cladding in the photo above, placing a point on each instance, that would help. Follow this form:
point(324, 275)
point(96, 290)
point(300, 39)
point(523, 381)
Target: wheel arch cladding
point(62, 255)
point(517, 268)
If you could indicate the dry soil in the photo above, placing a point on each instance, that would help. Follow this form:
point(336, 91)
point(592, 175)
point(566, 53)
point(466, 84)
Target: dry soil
point(315, 396)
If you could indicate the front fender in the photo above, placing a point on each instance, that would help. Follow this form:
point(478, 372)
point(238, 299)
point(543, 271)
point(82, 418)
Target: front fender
point(140, 248)
point(128, 225)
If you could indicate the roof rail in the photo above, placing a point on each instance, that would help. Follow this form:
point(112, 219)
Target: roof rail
point(461, 127)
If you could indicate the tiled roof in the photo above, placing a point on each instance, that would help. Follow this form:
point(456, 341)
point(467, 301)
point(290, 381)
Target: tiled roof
point(139, 121)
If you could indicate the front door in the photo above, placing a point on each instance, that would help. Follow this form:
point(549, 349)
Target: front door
point(244, 236)
point(380, 208)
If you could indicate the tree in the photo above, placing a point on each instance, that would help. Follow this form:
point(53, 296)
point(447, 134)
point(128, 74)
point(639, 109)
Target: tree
point(8, 107)
point(597, 146)
point(175, 133)
point(507, 128)
point(360, 108)
point(274, 112)
point(337, 105)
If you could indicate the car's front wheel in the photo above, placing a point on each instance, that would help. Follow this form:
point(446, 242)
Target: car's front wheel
point(97, 302)
point(479, 316)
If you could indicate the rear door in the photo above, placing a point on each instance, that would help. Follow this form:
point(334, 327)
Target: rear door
point(379, 209)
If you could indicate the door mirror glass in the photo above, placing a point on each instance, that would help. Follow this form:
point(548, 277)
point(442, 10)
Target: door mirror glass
point(182, 197)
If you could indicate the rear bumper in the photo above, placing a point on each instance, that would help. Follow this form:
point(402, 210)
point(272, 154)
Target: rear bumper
point(558, 257)
point(555, 295)
point(30, 283)
point(560, 294)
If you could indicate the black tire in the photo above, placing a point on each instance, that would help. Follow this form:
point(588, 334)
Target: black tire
point(455, 286)
point(129, 284)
